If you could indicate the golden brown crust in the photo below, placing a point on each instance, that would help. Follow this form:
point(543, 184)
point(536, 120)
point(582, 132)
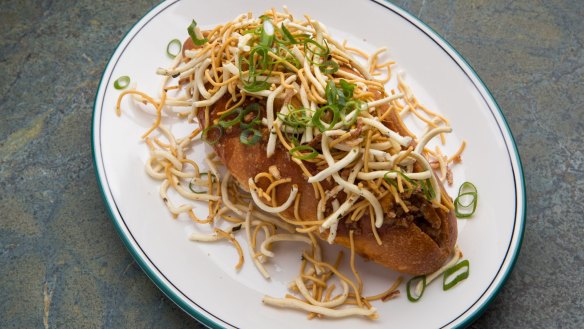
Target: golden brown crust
point(407, 247)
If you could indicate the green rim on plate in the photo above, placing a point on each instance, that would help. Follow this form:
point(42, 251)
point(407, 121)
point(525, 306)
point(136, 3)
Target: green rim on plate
point(206, 319)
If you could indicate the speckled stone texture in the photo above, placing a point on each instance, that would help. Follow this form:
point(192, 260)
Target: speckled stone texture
point(62, 263)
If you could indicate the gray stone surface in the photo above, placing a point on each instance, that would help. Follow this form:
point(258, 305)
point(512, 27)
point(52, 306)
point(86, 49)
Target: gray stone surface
point(61, 261)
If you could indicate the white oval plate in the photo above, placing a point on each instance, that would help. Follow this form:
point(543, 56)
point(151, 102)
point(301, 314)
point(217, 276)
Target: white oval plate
point(201, 278)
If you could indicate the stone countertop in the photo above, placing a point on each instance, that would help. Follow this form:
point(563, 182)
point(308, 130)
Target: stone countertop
point(62, 263)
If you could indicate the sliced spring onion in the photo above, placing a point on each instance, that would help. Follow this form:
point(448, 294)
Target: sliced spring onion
point(213, 177)
point(255, 86)
point(390, 180)
point(258, 63)
point(320, 112)
point(298, 154)
point(267, 36)
point(193, 188)
point(193, 35)
point(122, 82)
point(214, 139)
point(329, 67)
point(264, 17)
point(235, 115)
point(287, 55)
point(173, 48)
point(393, 182)
point(428, 190)
point(253, 108)
point(334, 96)
point(351, 106)
point(347, 88)
point(250, 136)
point(415, 279)
point(295, 118)
point(289, 37)
point(467, 192)
point(293, 137)
point(323, 50)
point(461, 276)
point(192, 185)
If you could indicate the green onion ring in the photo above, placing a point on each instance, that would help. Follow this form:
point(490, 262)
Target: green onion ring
point(205, 133)
point(428, 190)
point(228, 123)
point(391, 181)
point(195, 191)
point(458, 202)
point(173, 44)
point(465, 263)
point(286, 33)
point(415, 183)
point(303, 156)
point(250, 136)
point(411, 298)
point(334, 95)
point(193, 35)
point(319, 123)
point(122, 82)
point(251, 108)
point(347, 88)
point(201, 176)
point(296, 118)
point(256, 86)
point(325, 51)
point(329, 67)
point(287, 54)
point(356, 104)
point(258, 62)
point(406, 178)
point(267, 36)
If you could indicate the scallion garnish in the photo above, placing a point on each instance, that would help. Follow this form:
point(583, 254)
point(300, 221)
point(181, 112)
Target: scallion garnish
point(461, 276)
point(258, 63)
point(329, 67)
point(230, 118)
point(250, 136)
point(191, 29)
point(295, 118)
point(466, 200)
point(411, 297)
point(212, 140)
point(287, 54)
point(191, 184)
point(390, 180)
point(326, 112)
point(267, 36)
point(298, 154)
point(197, 191)
point(122, 82)
point(250, 116)
point(334, 96)
point(428, 190)
point(294, 137)
point(173, 48)
point(322, 52)
point(256, 86)
point(347, 88)
point(286, 33)
point(356, 106)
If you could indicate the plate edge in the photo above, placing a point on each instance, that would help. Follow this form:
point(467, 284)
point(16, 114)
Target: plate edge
point(154, 277)
point(519, 232)
point(163, 286)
